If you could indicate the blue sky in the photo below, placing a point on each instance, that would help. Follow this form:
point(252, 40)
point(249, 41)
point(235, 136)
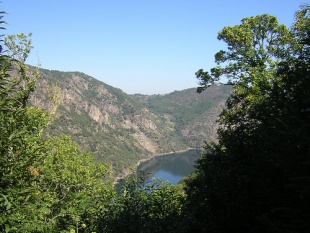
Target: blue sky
point(139, 46)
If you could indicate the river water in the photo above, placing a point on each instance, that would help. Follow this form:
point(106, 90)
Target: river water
point(171, 167)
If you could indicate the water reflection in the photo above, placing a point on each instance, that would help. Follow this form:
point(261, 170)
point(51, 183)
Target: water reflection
point(171, 167)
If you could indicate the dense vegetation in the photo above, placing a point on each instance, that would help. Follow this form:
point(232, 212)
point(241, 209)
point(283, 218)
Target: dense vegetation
point(46, 184)
point(254, 179)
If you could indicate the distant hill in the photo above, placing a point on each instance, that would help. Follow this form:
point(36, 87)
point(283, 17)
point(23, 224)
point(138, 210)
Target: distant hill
point(121, 129)
point(193, 115)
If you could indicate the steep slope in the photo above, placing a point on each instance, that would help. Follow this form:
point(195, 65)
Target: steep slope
point(102, 119)
point(193, 115)
point(121, 129)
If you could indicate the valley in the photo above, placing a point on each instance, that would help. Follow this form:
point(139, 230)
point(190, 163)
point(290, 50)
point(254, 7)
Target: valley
point(121, 129)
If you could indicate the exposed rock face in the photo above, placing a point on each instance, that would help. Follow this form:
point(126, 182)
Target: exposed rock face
point(146, 142)
point(96, 115)
point(189, 114)
point(118, 128)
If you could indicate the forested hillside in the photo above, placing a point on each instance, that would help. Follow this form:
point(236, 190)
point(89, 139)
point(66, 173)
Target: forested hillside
point(255, 178)
point(194, 115)
point(121, 129)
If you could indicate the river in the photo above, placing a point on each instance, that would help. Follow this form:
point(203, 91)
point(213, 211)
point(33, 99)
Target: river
point(170, 167)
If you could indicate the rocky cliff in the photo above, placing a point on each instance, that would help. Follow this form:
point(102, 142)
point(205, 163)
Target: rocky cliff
point(121, 129)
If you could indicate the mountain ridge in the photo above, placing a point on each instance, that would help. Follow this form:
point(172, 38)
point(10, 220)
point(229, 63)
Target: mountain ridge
point(121, 129)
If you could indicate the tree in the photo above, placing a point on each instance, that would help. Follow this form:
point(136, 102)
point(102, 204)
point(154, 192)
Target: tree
point(18, 147)
point(256, 45)
point(46, 184)
point(144, 207)
point(71, 190)
point(254, 178)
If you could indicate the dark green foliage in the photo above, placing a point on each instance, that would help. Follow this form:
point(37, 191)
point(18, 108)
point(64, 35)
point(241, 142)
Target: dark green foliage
point(144, 207)
point(256, 179)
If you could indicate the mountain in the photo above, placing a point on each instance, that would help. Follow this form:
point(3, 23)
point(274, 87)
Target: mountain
point(193, 115)
point(121, 129)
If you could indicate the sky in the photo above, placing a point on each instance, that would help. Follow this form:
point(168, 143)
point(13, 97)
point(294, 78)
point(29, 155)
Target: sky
point(139, 46)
